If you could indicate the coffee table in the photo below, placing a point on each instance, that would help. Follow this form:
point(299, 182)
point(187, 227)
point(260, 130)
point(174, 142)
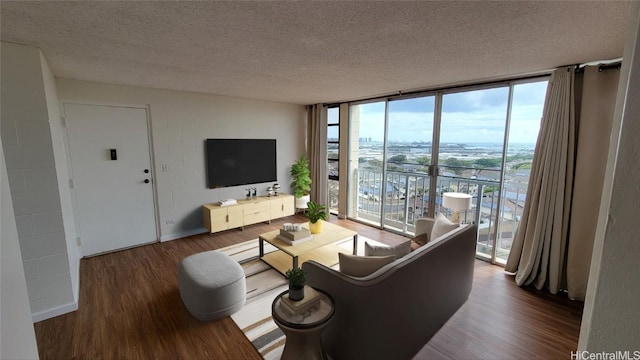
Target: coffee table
point(322, 248)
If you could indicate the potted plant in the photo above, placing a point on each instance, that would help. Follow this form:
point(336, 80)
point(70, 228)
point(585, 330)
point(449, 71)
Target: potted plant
point(316, 213)
point(301, 181)
point(297, 279)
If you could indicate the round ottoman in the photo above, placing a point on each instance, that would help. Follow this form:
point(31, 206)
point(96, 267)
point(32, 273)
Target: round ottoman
point(212, 285)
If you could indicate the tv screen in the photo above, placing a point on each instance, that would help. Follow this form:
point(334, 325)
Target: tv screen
point(232, 162)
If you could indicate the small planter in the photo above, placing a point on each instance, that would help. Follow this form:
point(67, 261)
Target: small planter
point(297, 279)
point(316, 228)
point(301, 202)
point(296, 294)
point(316, 213)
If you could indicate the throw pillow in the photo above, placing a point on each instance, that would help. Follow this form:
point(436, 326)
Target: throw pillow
point(441, 227)
point(359, 266)
point(398, 251)
point(419, 240)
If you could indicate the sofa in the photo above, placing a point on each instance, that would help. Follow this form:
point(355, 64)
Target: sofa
point(393, 312)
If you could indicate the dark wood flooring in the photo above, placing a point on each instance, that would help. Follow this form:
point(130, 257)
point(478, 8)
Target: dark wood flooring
point(130, 308)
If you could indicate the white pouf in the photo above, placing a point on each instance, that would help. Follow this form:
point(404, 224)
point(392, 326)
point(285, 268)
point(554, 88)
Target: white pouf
point(212, 285)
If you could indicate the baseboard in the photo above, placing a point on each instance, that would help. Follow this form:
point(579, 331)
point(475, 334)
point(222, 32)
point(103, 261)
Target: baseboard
point(76, 288)
point(56, 311)
point(183, 234)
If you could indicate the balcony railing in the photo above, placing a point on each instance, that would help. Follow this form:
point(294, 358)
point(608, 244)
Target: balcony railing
point(406, 198)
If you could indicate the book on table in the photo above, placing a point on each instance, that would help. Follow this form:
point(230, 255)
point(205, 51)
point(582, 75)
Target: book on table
point(294, 237)
point(311, 299)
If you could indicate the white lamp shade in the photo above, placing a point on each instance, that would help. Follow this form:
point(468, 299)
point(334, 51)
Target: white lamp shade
point(456, 201)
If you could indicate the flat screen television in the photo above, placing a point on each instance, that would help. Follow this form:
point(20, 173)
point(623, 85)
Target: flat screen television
point(232, 162)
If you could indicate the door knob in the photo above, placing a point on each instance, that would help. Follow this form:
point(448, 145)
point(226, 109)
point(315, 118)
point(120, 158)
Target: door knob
point(146, 171)
point(146, 181)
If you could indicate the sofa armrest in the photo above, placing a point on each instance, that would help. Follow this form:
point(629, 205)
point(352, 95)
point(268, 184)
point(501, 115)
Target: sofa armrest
point(424, 226)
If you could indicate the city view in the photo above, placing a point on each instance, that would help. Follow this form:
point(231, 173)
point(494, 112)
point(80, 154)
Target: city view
point(470, 159)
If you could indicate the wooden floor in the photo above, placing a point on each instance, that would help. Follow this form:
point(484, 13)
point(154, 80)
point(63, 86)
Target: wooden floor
point(130, 308)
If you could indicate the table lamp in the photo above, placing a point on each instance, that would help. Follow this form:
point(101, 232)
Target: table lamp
point(456, 202)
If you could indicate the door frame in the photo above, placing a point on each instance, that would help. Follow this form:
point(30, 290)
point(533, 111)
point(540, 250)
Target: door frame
point(154, 188)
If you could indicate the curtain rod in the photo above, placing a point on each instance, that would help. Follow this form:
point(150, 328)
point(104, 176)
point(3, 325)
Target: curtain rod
point(614, 65)
point(453, 87)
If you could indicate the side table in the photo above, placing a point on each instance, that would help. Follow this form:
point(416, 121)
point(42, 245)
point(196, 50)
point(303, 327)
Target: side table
point(304, 331)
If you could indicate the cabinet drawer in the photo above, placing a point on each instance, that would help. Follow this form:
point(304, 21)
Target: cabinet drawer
point(256, 213)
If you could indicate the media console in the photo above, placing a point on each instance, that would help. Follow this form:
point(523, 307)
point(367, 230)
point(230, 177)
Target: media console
point(246, 212)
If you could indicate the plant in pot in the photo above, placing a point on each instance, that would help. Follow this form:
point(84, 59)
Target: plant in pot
point(297, 279)
point(316, 213)
point(301, 181)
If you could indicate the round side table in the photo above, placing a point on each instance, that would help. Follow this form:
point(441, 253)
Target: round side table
point(303, 331)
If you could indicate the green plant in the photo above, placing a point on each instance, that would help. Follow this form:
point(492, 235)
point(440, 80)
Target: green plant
point(297, 278)
point(301, 182)
point(316, 212)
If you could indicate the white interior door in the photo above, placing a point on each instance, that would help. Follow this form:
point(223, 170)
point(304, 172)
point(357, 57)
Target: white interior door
point(113, 193)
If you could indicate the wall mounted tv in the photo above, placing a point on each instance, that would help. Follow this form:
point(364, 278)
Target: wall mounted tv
point(232, 162)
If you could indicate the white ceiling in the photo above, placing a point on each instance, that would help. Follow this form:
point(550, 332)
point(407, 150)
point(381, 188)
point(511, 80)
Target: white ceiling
point(311, 52)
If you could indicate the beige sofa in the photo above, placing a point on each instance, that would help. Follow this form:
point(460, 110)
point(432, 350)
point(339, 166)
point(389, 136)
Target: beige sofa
point(392, 313)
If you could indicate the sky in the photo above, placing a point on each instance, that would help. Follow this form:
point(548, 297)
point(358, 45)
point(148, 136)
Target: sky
point(467, 117)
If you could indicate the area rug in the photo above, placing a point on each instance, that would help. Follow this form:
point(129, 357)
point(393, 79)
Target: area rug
point(263, 285)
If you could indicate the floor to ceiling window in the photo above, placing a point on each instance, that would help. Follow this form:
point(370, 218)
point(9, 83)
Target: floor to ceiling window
point(526, 113)
point(406, 151)
point(470, 155)
point(367, 132)
point(407, 160)
point(333, 156)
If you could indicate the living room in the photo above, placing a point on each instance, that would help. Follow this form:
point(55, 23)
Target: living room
point(180, 120)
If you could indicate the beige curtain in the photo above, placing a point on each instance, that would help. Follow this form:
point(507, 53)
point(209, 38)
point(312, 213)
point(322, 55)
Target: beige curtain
point(317, 152)
point(552, 245)
point(599, 89)
point(537, 253)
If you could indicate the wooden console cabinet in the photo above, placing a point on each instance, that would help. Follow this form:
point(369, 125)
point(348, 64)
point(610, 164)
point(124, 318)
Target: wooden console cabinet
point(246, 212)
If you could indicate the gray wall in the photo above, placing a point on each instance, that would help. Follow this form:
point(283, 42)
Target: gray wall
point(180, 124)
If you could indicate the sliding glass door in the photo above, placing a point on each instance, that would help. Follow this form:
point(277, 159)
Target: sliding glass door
point(470, 155)
point(407, 161)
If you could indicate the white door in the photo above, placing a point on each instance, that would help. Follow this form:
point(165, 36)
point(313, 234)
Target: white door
point(111, 166)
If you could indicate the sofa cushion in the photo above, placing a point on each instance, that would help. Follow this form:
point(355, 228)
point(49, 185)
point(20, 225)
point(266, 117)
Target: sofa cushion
point(441, 227)
point(419, 240)
point(398, 251)
point(359, 266)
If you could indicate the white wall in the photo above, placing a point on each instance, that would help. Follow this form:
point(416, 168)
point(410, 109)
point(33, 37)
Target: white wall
point(17, 338)
point(62, 175)
point(612, 306)
point(180, 124)
point(31, 168)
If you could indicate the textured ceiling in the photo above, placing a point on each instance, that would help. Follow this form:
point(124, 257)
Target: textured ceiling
point(311, 52)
